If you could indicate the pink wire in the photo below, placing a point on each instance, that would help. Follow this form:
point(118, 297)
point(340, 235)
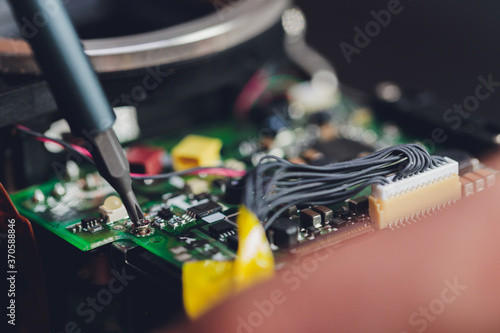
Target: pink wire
point(79, 149)
point(224, 172)
point(251, 93)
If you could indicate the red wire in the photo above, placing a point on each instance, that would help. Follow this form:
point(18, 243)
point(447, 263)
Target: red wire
point(224, 172)
point(79, 149)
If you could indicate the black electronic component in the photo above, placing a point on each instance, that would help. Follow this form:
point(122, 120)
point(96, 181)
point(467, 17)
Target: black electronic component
point(217, 229)
point(337, 222)
point(204, 209)
point(165, 213)
point(325, 212)
point(309, 217)
point(284, 232)
point(89, 222)
point(234, 191)
point(358, 205)
point(232, 242)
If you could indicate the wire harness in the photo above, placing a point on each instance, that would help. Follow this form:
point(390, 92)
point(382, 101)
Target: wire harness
point(276, 184)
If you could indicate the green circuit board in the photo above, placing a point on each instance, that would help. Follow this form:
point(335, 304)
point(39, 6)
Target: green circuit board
point(183, 238)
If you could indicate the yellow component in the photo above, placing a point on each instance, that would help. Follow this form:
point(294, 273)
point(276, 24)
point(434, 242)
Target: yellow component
point(386, 212)
point(254, 259)
point(195, 151)
point(207, 283)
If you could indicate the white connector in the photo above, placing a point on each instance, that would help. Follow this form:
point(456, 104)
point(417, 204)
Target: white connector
point(397, 188)
point(407, 198)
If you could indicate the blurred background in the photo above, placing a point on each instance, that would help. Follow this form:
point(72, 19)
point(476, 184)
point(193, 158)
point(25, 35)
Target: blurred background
point(437, 45)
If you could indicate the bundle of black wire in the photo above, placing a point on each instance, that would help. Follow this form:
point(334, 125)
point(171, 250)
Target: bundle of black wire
point(276, 184)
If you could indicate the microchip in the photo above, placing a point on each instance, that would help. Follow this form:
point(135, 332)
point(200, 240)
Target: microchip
point(89, 222)
point(204, 209)
point(220, 228)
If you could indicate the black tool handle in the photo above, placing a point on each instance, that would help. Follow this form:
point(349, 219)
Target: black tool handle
point(67, 69)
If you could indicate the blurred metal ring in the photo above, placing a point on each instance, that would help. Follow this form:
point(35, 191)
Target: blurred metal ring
point(226, 28)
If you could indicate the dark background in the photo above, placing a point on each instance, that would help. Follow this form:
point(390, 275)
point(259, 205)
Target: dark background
point(439, 45)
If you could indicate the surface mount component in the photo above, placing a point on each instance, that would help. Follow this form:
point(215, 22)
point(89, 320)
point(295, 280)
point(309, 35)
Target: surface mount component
point(204, 209)
point(284, 232)
point(309, 217)
point(325, 212)
point(113, 210)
